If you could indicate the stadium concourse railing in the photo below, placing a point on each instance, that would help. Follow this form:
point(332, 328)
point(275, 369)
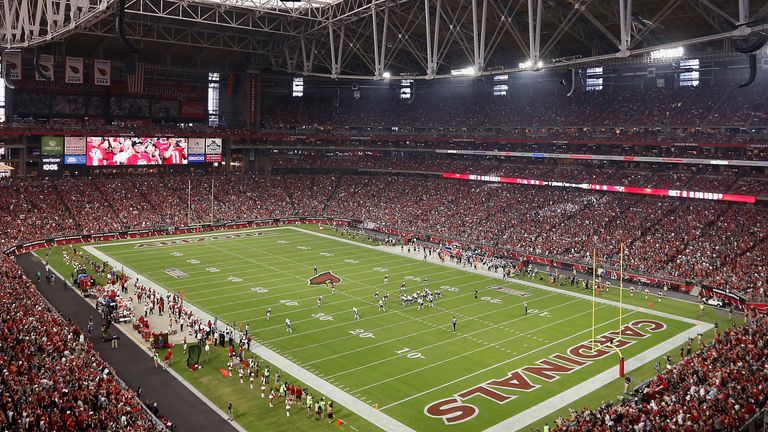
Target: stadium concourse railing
point(683, 286)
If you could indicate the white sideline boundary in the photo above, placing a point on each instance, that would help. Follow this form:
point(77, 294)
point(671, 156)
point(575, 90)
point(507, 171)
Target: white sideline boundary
point(140, 343)
point(386, 422)
point(355, 405)
point(107, 243)
point(541, 410)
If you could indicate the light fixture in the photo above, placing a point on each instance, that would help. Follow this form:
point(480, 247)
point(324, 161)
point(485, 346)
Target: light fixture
point(667, 53)
point(386, 75)
point(468, 71)
point(525, 65)
point(539, 64)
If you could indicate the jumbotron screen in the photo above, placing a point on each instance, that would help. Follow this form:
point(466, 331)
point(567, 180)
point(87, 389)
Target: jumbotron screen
point(135, 151)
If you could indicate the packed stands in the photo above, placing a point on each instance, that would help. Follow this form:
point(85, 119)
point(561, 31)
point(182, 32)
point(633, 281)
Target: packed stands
point(51, 378)
point(689, 240)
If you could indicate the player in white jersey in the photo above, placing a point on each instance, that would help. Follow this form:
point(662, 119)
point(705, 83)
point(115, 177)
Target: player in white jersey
point(354, 311)
point(381, 305)
point(288, 325)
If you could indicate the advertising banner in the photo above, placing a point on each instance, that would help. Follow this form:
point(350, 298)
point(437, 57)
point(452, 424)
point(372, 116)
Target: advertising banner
point(74, 146)
point(52, 146)
point(194, 110)
point(213, 150)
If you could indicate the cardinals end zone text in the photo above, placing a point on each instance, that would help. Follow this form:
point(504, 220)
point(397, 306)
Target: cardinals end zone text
point(455, 410)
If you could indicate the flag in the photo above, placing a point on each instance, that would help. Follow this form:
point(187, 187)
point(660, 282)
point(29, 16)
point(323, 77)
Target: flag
point(233, 84)
point(134, 77)
point(44, 70)
point(102, 72)
point(73, 70)
point(12, 65)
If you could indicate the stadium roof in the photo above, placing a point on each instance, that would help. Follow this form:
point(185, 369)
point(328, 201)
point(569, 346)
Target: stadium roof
point(365, 38)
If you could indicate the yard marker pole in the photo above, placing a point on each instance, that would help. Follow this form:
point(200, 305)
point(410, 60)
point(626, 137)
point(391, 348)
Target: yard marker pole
point(594, 281)
point(621, 286)
point(189, 203)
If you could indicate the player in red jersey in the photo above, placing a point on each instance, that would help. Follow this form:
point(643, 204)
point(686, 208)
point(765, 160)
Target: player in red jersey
point(176, 153)
point(96, 151)
point(138, 157)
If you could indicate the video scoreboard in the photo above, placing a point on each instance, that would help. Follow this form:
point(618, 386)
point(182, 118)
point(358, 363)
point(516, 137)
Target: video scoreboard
point(56, 152)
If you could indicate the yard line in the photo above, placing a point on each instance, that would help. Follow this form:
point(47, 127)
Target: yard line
point(452, 358)
point(365, 411)
point(249, 269)
point(432, 329)
point(482, 370)
point(282, 271)
point(345, 275)
point(365, 286)
point(326, 341)
point(523, 282)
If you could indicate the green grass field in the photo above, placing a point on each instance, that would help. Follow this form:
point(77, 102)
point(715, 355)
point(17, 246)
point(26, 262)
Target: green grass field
point(407, 362)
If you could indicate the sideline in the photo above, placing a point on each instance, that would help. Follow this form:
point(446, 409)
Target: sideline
point(355, 405)
point(131, 334)
point(545, 408)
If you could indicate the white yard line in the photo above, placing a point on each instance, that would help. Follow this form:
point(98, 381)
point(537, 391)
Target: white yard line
point(554, 403)
point(355, 405)
point(432, 365)
point(511, 424)
point(516, 281)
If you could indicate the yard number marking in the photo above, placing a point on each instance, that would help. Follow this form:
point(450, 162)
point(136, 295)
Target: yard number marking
point(410, 355)
point(362, 333)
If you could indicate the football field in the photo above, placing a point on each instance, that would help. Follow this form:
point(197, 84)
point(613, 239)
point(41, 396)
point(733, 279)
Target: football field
point(500, 369)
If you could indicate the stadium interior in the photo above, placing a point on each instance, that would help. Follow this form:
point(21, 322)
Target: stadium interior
point(568, 135)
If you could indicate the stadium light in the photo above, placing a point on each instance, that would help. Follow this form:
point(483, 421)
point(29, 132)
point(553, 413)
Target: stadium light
point(468, 71)
point(667, 53)
point(386, 75)
point(525, 65)
point(539, 64)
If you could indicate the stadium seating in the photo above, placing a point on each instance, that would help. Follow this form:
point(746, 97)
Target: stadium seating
point(51, 378)
point(700, 241)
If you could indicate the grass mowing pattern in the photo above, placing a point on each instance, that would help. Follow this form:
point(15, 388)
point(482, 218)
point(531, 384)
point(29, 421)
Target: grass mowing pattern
point(238, 279)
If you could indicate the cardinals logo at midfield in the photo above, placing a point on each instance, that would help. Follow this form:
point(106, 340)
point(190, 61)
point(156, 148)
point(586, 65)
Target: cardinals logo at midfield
point(324, 278)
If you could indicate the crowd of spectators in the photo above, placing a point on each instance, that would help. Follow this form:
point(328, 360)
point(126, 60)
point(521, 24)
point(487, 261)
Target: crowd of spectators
point(51, 379)
point(696, 240)
point(719, 387)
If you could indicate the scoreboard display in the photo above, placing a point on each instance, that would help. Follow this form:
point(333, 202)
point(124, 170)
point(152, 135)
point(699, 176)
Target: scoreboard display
point(134, 151)
point(96, 151)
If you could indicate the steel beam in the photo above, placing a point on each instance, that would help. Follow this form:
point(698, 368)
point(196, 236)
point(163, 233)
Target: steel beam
point(743, 11)
point(28, 23)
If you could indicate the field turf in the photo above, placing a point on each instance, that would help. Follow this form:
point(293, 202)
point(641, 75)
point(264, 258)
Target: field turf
point(401, 360)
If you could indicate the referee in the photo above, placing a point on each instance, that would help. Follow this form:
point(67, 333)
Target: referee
point(453, 323)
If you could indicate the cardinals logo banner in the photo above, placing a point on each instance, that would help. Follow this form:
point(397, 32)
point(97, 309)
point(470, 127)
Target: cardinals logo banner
point(102, 72)
point(73, 70)
point(44, 70)
point(12, 65)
